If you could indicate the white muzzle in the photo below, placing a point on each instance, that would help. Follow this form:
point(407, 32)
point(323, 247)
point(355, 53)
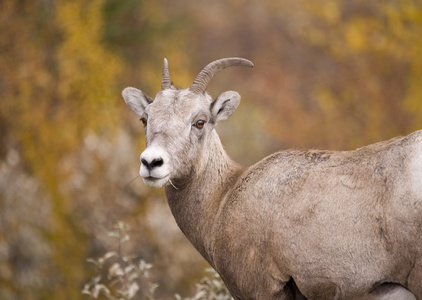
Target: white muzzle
point(155, 171)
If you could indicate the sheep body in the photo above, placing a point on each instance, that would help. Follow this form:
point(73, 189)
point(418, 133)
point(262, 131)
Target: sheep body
point(335, 223)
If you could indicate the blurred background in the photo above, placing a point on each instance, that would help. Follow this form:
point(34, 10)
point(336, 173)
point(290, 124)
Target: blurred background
point(332, 74)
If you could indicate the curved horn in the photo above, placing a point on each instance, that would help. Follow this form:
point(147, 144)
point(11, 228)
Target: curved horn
point(165, 84)
point(204, 77)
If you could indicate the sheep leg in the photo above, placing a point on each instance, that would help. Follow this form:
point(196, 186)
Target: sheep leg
point(391, 291)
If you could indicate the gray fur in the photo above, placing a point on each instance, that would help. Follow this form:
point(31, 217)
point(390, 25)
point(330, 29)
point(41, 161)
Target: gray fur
point(298, 224)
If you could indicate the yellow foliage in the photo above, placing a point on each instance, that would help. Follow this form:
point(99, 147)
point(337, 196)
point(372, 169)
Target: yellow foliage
point(86, 71)
point(327, 11)
point(53, 94)
point(406, 25)
point(334, 74)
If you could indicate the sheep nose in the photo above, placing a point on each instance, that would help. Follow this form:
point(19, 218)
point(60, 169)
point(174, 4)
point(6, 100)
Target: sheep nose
point(156, 162)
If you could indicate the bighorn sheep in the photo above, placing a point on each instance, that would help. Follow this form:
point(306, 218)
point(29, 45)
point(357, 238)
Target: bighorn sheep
point(297, 224)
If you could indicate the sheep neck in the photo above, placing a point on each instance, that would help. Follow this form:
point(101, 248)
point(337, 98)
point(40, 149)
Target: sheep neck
point(195, 201)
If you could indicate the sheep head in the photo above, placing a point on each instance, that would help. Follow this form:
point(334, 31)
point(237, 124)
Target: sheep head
point(178, 123)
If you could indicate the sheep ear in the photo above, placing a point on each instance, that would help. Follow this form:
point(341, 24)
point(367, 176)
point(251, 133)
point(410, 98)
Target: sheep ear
point(136, 100)
point(225, 104)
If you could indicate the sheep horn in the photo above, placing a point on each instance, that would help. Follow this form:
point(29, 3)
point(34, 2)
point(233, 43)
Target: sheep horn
point(166, 76)
point(204, 77)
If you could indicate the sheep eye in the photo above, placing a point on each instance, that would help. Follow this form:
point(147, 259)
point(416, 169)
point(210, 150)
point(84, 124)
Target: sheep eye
point(200, 124)
point(144, 121)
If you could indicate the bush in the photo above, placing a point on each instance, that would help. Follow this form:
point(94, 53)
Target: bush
point(128, 277)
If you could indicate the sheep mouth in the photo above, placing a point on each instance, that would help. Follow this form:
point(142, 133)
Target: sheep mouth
point(155, 182)
point(152, 178)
